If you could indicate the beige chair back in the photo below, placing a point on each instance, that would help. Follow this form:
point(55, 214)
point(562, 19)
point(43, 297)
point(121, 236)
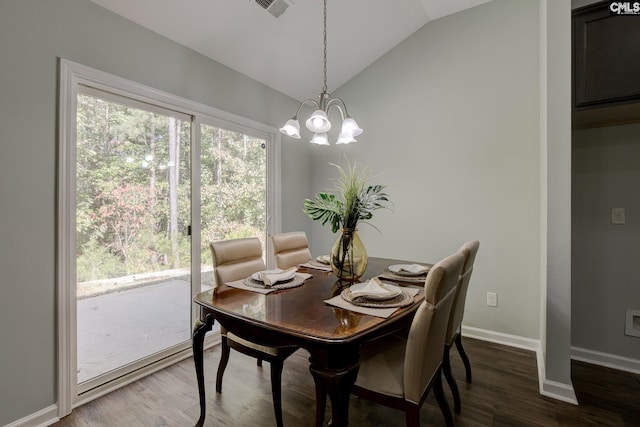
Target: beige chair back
point(425, 344)
point(290, 249)
point(469, 251)
point(236, 259)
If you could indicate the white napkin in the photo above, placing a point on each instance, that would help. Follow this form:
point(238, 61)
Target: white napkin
point(414, 268)
point(370, 288)
point(324, 259)
point(271, 277)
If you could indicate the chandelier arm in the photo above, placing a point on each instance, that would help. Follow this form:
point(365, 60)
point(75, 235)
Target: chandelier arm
point(312, 101)
point(339, 103)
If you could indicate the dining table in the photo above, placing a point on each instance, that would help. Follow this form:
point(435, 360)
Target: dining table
point(300, 316)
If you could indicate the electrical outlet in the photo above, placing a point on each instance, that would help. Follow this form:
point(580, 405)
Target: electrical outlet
point(618, 216)
point(492, 299)
point(632, 327)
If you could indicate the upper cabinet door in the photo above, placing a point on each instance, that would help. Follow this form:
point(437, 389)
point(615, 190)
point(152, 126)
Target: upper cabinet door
point(606, 57)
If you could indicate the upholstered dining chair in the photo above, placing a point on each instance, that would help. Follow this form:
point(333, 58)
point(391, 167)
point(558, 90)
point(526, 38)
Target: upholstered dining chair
point(399, 372)
point(234, 260)
point(469, 251)
point(290, 249)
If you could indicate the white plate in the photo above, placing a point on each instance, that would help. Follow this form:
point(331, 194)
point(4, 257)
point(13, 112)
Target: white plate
point(393, 289)
point(324, 259)
point(398, 269)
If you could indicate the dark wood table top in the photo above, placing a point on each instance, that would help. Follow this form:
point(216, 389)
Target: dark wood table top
point(301, 312)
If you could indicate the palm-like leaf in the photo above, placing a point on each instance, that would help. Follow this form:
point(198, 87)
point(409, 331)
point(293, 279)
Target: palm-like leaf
point(358, 200)
point(371, 199)
point(325, 208)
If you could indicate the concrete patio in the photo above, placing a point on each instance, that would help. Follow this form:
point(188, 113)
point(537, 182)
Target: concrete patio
point(128, 323)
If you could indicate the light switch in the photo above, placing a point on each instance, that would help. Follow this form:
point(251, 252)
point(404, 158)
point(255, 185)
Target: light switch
point(618, 216)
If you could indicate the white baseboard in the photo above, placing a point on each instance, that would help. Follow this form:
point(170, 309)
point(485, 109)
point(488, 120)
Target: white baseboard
point(500, 338)
point(605, 359)
point(42, 418)
point(559, 391)
point(553, 389)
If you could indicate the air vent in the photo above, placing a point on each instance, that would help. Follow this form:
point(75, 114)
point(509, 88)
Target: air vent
point(274, 7)
point(264, 3)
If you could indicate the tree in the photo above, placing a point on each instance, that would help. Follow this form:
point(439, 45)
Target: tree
point(134, 187)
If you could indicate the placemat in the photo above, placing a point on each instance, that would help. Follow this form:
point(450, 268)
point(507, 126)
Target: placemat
point(338, 301)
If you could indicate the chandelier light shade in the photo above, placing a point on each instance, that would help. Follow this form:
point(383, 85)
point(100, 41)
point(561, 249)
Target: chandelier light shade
point(320, 139)
point(291, 128)
point(318, 122)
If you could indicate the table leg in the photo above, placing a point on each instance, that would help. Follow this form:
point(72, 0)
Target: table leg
point(200, 328)
point(321, 403)
point(337, 384)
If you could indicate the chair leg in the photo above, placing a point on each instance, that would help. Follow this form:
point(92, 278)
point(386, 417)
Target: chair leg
point(463, 355)
point(412, 415)
point(446, 370)
point(224, 359)
point(276, 390)
point(442, 401)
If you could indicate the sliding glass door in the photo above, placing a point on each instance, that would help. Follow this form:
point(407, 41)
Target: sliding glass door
point(146, 181)
point(132, 233)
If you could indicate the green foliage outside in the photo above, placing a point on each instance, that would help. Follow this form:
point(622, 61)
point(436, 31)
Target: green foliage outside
point(133, 189)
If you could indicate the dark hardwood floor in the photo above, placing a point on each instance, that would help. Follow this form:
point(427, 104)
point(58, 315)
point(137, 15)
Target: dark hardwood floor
point(504, 393)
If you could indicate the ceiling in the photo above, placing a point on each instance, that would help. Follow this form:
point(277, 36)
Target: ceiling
point(285, 53)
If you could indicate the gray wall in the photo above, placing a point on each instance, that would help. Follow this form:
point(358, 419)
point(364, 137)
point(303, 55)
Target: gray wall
point(33, 34)
point(451, 120)
point(606, 174)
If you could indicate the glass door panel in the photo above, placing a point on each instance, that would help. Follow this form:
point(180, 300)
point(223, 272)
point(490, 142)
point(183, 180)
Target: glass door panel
point(233, 190)
point(133, 245)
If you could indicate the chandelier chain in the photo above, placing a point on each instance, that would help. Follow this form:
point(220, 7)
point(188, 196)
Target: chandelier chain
point(324, 86)
point(319, 122)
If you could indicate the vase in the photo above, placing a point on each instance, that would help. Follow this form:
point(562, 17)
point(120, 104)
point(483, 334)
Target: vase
point(349, 256)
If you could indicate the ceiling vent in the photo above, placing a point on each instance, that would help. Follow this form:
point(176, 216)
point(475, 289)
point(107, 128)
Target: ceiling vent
point(274, 7)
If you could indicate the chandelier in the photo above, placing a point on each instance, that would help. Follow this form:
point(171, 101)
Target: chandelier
point(318, 122)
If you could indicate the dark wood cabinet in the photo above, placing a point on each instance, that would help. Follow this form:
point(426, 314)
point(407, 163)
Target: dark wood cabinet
point(606, 57)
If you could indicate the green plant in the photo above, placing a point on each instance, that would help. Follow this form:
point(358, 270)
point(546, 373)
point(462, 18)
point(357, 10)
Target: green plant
point(356, 201)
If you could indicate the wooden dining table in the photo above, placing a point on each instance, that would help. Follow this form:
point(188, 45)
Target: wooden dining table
point(300, 317)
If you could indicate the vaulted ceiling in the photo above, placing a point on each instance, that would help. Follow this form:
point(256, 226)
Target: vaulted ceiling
point(285, 53)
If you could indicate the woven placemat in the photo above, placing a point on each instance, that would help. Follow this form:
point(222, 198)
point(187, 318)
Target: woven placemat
point(296, 280)
point(402, 300)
